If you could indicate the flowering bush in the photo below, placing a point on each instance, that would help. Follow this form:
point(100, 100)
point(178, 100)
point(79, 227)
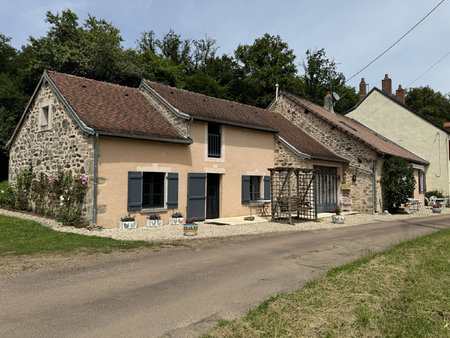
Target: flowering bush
point(190, 220)
point(177, 215)
point(437, 205)
point(337, 210)
point(128, 218)
point(154, 217)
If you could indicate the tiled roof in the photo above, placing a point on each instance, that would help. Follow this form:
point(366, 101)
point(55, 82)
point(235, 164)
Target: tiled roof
point(209, 108)
point(111, 108)
point(356, 130)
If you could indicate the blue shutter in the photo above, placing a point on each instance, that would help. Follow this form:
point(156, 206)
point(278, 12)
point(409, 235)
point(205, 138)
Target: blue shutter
point(424, 181)
point(196, 204)
point(267, 187)
point(134, 190)
point(245, 189)
point(172, 190)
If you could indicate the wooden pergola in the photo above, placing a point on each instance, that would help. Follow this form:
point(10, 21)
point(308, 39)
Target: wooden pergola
point(292, 194)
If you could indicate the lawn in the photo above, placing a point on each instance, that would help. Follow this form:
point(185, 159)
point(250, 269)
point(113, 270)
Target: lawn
point(22, 237)
point(403, 292)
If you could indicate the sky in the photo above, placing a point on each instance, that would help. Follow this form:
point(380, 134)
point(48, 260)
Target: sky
point(352, 32)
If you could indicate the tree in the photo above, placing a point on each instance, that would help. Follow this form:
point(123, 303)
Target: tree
point(429, 103)
point(398, 182)
point(265, 63)
point(321, 76)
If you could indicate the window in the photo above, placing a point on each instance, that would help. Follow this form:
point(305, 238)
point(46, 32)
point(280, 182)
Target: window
point(44, 118)
point(422, 181)
point(149, 190)
point(251, 188)
point(214, 140)
point(152, 190)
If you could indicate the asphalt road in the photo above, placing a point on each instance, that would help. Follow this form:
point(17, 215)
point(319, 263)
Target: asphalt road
point(185, 292)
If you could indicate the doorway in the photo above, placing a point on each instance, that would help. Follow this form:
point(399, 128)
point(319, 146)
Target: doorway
point(212, 195)
point(326, 188)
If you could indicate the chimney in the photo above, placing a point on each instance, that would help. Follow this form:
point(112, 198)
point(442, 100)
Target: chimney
point(447, 126)
point(362, 89)
point(328, 103)
point(386, 85)
point(400, 94)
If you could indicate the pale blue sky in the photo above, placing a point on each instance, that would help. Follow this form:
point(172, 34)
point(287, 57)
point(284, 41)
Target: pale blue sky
point(353, 32)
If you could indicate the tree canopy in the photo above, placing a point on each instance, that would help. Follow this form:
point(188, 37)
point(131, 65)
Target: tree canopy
point(430, 104)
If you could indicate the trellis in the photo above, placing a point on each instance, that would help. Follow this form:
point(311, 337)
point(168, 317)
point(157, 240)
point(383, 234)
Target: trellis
point(292, 194)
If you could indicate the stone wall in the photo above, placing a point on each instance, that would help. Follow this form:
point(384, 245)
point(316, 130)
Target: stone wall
point(61, 146)
point(285, 157)
point(178, 123)
point(358, 154)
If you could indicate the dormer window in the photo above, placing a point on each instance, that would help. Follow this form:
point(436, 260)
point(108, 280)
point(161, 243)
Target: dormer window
point(44, 118)
point(214, 140)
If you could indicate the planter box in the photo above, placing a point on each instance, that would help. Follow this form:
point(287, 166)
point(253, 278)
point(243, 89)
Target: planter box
point(151, 223)
point(176, 221)
point(190, 229)
point(338, 219)
point(128, 225)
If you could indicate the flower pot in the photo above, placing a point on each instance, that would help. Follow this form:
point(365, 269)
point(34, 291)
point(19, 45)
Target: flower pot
point(128, 225)
point(176, 221)
point(437, 210)
point(151, 223)
point(190, 229)
point(338, 219)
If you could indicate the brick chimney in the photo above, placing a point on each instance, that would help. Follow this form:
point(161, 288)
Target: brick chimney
point(386, 85)
point(328, 103)
point(362, 89)
point(447, 126)
point(400, 94)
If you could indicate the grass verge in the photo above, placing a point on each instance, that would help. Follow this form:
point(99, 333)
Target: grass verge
point(402, 292)
point(22, 237)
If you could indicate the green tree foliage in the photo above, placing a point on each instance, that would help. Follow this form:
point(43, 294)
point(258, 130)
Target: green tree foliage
point(321, 76)
point(398, 182)
point(430, 104)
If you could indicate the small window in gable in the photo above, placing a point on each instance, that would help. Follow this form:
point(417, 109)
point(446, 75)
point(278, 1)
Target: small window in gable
point(214, 140)
point(44, 118)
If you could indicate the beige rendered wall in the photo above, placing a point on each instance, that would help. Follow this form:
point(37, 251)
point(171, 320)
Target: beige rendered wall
point(244, 152)
point(411, 132)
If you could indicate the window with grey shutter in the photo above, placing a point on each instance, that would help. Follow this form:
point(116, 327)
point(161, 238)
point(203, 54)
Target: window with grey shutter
point(134, 190)
point(245, 189)
point(424, 185)
point(267, 187)
point(172, 190)
point(420, 180)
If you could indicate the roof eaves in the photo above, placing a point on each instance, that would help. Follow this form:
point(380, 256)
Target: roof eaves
point(323, 158)
point(293, 149)
point(144, 137)
point(174, 110)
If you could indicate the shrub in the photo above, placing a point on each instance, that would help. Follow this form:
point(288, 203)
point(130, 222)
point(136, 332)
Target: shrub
point(437, 193)
point(6, 195)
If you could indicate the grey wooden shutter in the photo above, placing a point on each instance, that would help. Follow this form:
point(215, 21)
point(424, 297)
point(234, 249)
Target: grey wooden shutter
point(196, 204)
point(424, 181)
point(420, 180)
point(267, 187)
point(245, 189)
point(134, 190)
point(172, 190)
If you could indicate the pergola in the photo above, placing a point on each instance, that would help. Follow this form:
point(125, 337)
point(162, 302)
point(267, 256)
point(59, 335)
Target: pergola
point(292, 194)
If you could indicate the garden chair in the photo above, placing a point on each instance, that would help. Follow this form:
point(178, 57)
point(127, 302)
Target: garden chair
point(345, 203)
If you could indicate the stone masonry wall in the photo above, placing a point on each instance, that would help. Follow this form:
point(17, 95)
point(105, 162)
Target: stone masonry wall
point(357, 153)
point(62, 146)
point(178, 123)
point(284, 157)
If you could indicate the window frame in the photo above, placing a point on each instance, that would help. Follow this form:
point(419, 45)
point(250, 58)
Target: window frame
point(44, 121)
point(151, 175)
point(214, 130)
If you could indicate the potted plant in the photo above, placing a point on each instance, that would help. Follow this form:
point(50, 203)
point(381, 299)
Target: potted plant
point(437, 208)
point(128, 222)
point(177, 218)
point(190, 227)
point(154, 220)
point(338, 218)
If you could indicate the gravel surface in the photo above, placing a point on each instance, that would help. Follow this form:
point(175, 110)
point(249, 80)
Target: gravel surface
point(238, 226)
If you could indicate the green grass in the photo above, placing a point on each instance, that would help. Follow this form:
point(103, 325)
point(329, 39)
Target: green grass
point(22, 237)
point(402, 292)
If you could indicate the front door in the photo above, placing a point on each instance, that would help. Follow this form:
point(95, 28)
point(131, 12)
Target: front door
point(196, 196)
point(326, 188)
point(212, 195)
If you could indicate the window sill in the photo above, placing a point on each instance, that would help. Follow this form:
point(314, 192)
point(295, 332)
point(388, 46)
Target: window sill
point(150, 210)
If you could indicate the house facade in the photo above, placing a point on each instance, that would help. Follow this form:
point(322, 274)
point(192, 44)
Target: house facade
point(364, 149)
point(389, 116)
point(158, 149)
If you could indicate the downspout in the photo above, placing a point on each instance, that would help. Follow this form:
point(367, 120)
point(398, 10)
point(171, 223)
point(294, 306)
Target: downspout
point(94, 208)
point(374, 186)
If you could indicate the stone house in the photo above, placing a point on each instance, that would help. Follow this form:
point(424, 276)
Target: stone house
point(363, 148)
point(158, 149)
point(389, 116)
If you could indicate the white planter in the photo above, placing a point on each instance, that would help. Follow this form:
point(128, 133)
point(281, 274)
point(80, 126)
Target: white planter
point(176, 221)
point(128, 225)
point(151, 223)
point(338, 219)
